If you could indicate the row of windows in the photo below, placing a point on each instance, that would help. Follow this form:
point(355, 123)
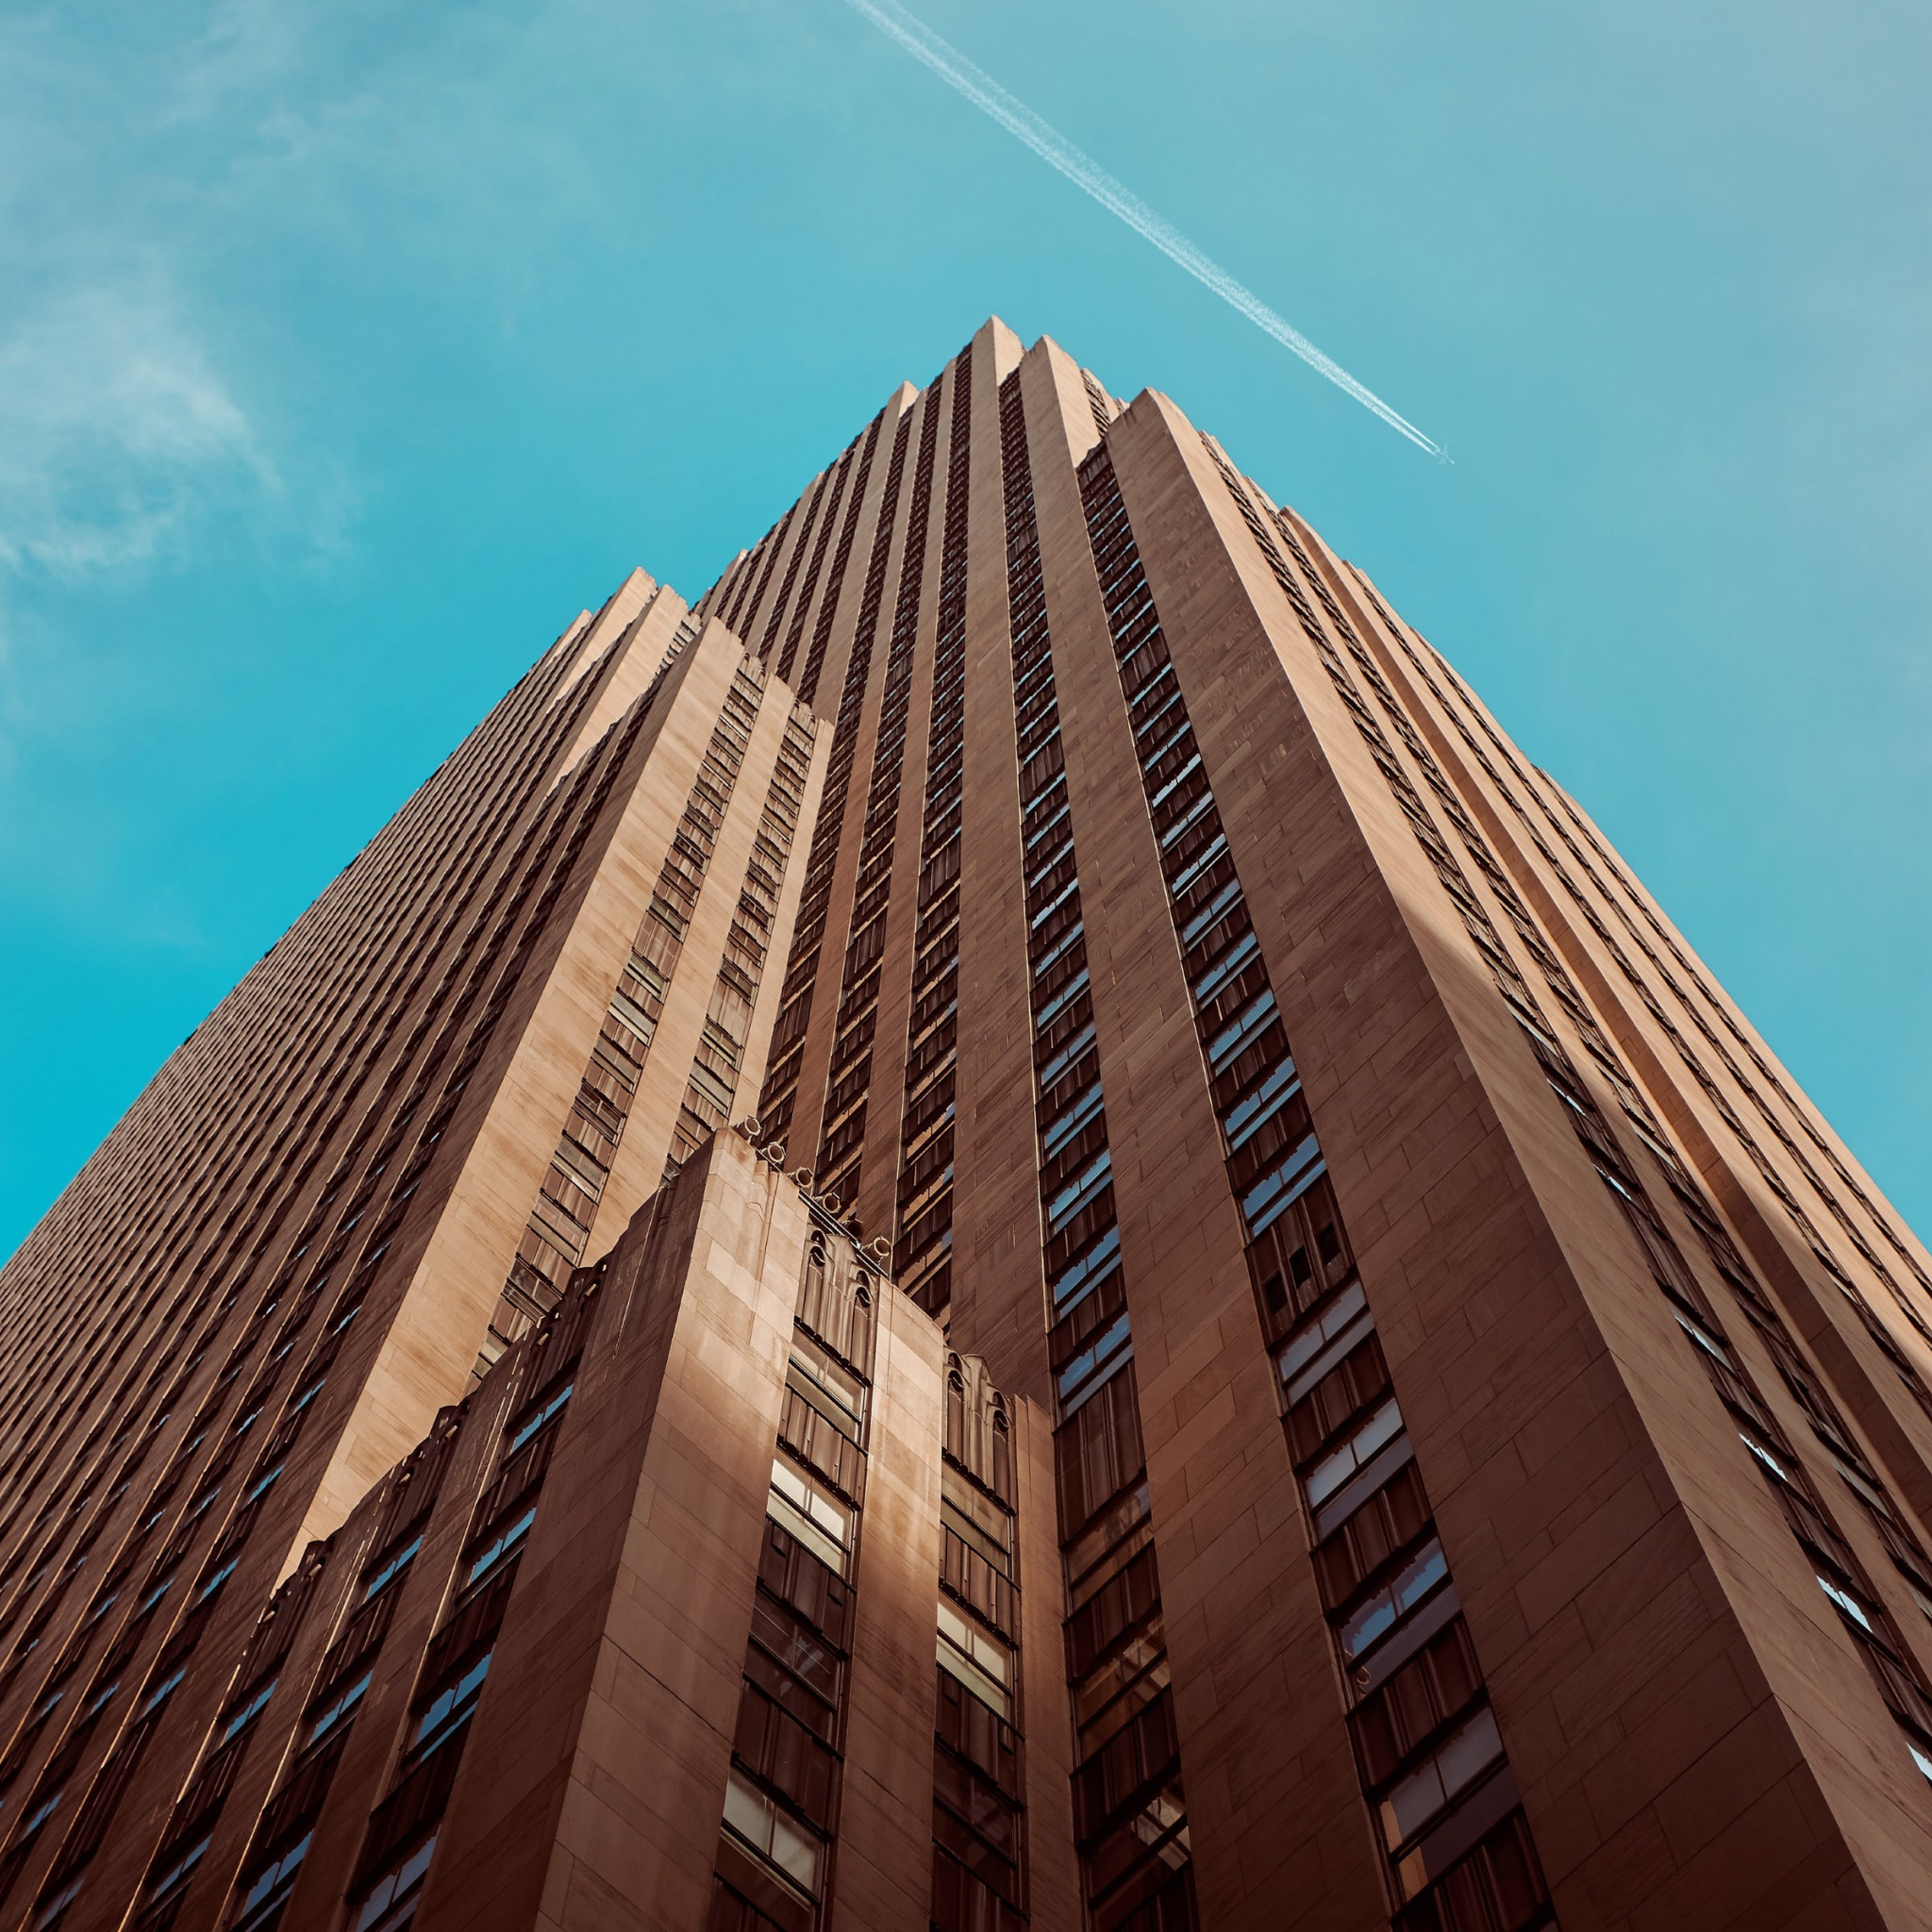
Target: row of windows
point(1899, 1679)
point(780, 1091)
point(842, 1129)
point(922, 1247)
point(782, 1797)
point(1447, 1792)
point(1098, 401)
point(357, 1209)
point(828, 609)
point(1841, 1578)
point(817, 504)
point(281, 1839)
point(978, 1830)
point(852, 466)
point(559, 1229)
point(401, 1837)
point(744, 600)
point(1906, 1370)
point(823, 512)
point(712, 1085)
point(1136, 1865)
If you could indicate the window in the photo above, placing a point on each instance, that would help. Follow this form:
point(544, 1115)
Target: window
point(1065, 1058)
point(1418, 1685)
point(1251, 1019)
point(778, 1839)
point(1246, 1025)
point(1290, 1175)
point(1696, 1330)
point(1083, 1107)
point(247, 1712)
point(1249, 1115)
point(1765, 1456)
point(1093, 1266)
point(1198, 807)
point(161, 1692)
point(1061, 1000)
point(1078, 1191)
point(451, 1706)
point(505, 1542)
point(1060, 898)
point(976, 1520)
point(1229, 893)
point(392, 1568)
point(337, 1711)
point(1045, 964)
point(1102, 1357)
point(215, 1582)
point(828, 1384)
point(552, 1407)
point(803, 1505)
point(54, 1910)
point(389, 1903)
point(801, 1650)
point(1847, 1603)
point(977, 1658)
point(262, 1485)
point(1376, 1429)
point(780, 1738)
point(1378, 1614)
point(1309, 1357)
point(1469, 1750)
point(179, 1870)
point(978, 1825)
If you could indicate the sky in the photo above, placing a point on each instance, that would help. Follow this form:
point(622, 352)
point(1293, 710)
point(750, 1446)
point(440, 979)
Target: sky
point(347, 350)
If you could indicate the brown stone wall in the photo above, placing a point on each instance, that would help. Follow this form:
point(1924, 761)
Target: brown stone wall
point(1574, 1451)
point(591, 1793)
point(299, 1231)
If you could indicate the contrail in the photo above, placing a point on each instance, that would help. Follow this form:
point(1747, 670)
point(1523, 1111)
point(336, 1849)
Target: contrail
point(1085, 173)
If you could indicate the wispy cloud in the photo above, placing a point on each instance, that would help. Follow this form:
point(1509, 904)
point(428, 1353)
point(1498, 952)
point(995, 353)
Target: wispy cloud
point(1085, 174)
point(114, 426)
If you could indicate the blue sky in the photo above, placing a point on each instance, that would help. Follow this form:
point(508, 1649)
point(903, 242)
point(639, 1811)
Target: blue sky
point(346, 351)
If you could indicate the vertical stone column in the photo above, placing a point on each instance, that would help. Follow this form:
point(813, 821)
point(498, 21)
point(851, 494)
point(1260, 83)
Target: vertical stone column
point(592, 1798)
point(882, 1875)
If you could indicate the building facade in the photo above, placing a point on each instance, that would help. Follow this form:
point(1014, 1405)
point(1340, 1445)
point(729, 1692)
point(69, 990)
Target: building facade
point(1268, 1347)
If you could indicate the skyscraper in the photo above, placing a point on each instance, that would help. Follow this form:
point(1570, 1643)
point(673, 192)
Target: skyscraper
point(1267, 1346)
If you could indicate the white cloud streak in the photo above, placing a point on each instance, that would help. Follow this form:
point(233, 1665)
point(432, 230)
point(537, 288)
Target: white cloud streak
point(114, 426)
point(1085, 174)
